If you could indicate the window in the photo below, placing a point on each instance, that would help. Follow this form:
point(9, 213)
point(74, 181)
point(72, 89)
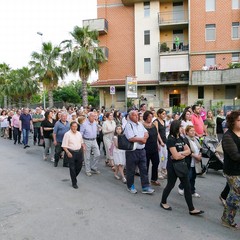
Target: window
point(146, 9)
point(230, 91)
point(210, 32)
point(147, 65)
point(235, 57)
point(235, 4)
point(147, 37)
point(210, 5)
point(120, 95)
point(235, 30)
point(210, 60)
point(200, 92)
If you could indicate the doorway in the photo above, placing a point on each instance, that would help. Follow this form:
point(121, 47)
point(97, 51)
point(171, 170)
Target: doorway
point(174, 100)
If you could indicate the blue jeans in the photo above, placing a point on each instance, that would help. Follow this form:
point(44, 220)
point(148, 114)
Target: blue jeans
point(25, 133)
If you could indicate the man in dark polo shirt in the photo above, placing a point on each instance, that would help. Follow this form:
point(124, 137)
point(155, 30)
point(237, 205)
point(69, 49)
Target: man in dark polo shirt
point(25, 125)
point(60, 128)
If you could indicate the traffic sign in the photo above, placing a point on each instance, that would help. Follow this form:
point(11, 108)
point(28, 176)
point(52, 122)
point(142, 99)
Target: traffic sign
point(112, 89)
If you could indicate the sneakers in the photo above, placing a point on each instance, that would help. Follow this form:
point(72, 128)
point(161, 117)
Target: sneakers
point(124, 180)
point(117, 177)
point(95, 171)
point(52, 159)
point(181, 191)
point(132, 189)
point(148, 190)
point(44, 158)
point(196, 195)
point(88, 174)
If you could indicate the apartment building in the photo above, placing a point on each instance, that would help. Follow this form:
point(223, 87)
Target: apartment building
point(165, 44)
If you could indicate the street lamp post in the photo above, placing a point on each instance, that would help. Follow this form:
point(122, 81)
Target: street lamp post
point(44, 98)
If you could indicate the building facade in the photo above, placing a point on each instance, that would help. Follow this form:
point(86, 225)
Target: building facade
point(166, 44)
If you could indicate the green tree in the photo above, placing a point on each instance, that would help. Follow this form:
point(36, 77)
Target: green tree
point(4, 72)
point(83, 56)
point(46, 65)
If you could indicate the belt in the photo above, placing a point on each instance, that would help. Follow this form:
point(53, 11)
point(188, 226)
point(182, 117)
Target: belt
point(89, 139)
point(74, 150)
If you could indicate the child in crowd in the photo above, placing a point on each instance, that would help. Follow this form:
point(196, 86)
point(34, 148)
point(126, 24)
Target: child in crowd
point(118, 156)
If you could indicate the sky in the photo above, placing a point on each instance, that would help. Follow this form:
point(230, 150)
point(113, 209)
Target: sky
point(20, 20)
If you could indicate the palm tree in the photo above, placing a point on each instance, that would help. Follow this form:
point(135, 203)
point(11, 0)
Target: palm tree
point(83, 56)
point(29, 84)
point(47, 67)
point(4, 72)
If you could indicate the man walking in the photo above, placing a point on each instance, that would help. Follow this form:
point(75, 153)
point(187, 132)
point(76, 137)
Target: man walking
point(25, 125)
point(60, 128)
point(37, 119)
point(135, 132)
point(89, 133)
point(197, 121)
point(15, 125)
point(73, 146)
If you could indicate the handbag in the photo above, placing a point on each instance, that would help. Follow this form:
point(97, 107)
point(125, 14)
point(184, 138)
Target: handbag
point(180, 168)
point(124, 144)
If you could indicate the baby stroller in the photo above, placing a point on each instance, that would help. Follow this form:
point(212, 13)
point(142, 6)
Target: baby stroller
point(212, 149)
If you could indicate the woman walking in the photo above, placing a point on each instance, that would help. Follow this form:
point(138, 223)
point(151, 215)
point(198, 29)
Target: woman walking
point(108, 129)
point(231, 168)
point(47, 128)
point(177, 151)
point(151, 147)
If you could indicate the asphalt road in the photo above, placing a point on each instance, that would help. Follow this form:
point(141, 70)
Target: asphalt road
point(37, 202)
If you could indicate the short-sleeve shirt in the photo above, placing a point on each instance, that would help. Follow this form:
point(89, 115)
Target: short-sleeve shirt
point(135, 130)
point(37, 116)
point(60, 129)
point(175, 142)
point(26, 119)
point(46, 124)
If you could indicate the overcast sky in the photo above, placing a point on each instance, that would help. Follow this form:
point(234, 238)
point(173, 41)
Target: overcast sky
point(20, 20)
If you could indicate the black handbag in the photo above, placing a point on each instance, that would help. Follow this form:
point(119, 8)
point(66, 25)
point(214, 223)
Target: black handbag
point(124, 144)
point(180, 168)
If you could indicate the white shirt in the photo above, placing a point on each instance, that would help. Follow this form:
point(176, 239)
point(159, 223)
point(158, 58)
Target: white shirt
point(72, 140)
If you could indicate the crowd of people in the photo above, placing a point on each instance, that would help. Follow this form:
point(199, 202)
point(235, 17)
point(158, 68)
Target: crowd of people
point(169, 144)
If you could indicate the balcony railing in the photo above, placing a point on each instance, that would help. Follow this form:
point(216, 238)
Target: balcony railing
point(216, 77)
point(168, 78)
point(172, 17)
point(99, 24)
point(172, 47)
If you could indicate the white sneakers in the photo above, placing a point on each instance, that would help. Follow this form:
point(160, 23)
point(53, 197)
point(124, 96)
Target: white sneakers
point(181, 191)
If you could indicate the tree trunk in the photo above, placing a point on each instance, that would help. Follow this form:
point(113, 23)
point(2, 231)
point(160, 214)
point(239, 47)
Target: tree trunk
point(84, 93)
point(50, 98)
point(9, 103)
point(5, 102)
point(20, 102)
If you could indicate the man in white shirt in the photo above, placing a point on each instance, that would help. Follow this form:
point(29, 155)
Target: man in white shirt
point(73, 146)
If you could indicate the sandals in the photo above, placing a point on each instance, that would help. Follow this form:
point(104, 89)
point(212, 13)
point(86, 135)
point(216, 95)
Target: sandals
point(233, 226)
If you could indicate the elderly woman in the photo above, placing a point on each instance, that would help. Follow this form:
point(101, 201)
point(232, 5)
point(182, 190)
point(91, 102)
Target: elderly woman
point(231, 168)
point(108, 129)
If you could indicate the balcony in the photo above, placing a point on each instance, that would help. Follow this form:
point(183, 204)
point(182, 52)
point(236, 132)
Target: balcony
point(173, 78)
point(216, 77)
point(172, 19)
point(132, 2)
point(170, 48)
point(99, 24)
